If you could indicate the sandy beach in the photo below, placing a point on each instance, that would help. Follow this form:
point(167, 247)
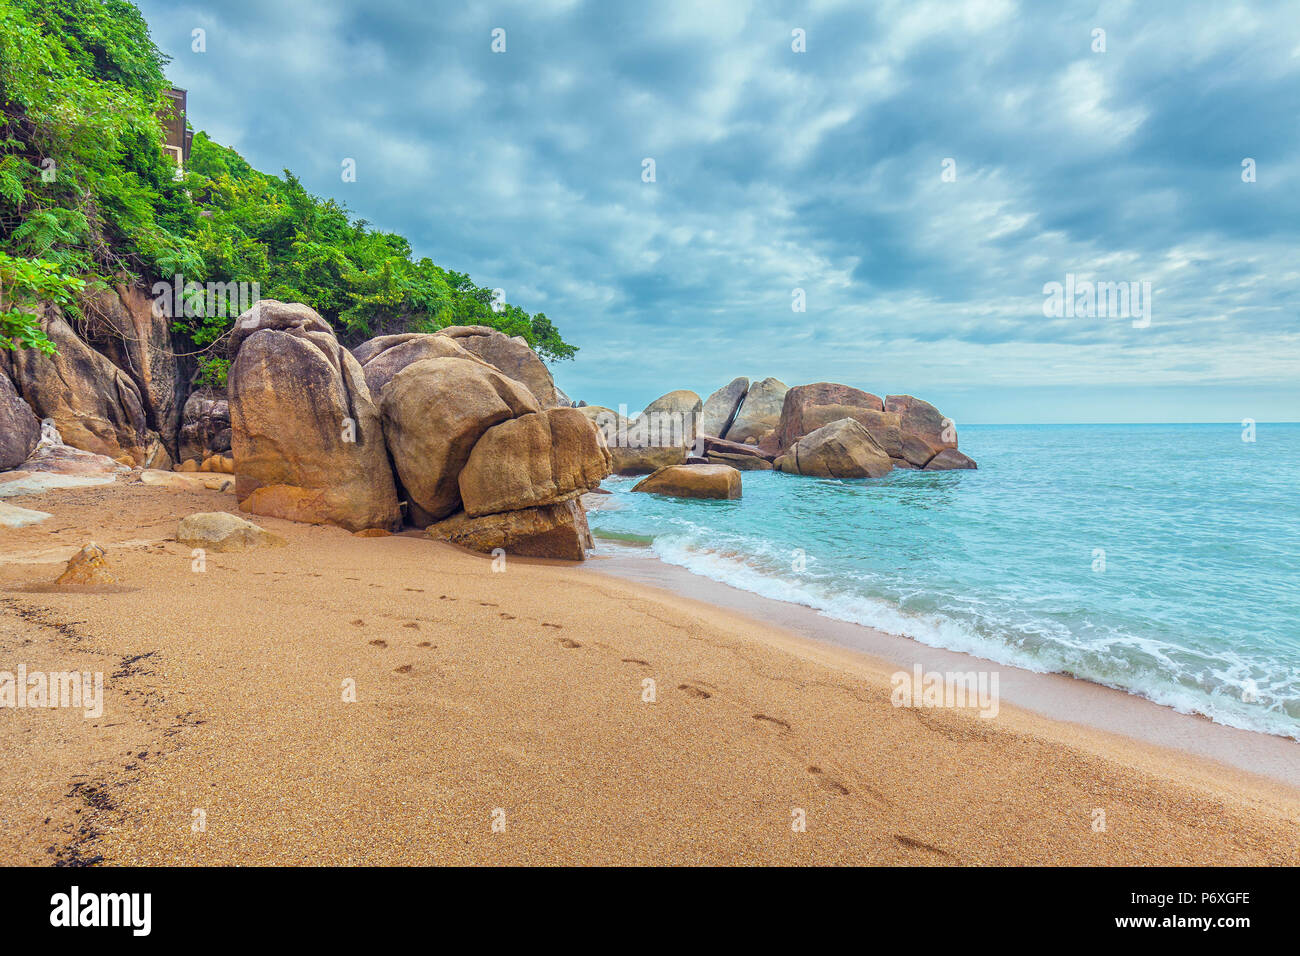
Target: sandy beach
point(500, 717)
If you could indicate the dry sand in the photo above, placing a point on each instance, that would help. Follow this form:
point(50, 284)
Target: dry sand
point(517, 697)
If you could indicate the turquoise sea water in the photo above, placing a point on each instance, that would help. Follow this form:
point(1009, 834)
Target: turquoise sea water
point(1198, 605)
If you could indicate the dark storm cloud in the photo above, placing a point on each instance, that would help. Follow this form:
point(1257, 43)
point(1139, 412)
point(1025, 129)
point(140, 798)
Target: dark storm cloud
point(819, 170)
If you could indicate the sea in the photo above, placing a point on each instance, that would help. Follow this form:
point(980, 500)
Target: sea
point(1162, 560)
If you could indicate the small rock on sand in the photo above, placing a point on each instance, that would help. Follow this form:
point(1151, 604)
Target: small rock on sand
point(219, 531)
point(87, 566)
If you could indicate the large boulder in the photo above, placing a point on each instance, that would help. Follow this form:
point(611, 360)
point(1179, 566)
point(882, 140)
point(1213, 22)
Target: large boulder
point(842, 449)
point(549, 531)
point(205, 426)
point(435, 411)
point(537, 459)
point(511, 356)
point(930, 431)
point(123, 324)
point(629, 445)
point(383, 357)
point(759, 414)
point(808, 407)
point(672, 419)
point(739, 462)
point(276, 316)
point(307, 441)
point(94, 404)
point(720, 408)
point(20, 429)
point(948, 460)
point(693, 481)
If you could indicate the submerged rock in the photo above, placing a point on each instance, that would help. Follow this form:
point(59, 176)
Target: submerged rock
point(842, 449)
point(693, 481)
point(948, 460)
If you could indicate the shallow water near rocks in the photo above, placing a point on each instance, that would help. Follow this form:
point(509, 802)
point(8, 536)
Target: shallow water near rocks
point(1163, 560)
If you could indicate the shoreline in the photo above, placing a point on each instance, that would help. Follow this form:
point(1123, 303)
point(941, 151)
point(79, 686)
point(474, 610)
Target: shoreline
point(1058, 697)
point(524, 692)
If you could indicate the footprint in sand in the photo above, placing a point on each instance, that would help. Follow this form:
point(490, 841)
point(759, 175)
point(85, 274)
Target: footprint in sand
point(425, 644)
point(694, 691)
point(566, 642)
point(379, 642)
point(777, 721)
point(412, 624)
point(826, 783)
point(636, 660)
point(508, 617)
point(556, 626)
point(913, 844)
point(404, 669)
point(358, 623)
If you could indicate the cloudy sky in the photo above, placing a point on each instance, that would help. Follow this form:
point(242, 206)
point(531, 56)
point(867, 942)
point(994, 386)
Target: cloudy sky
point(921, 171)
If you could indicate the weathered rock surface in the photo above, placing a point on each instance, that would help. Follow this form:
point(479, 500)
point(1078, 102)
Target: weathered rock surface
point(12, 516)
point(808, 407)
point(739, 462)
point(122, 324)
point(277, 316)
point(720, 408)
point(627, 443)
point(536, 459)
point(722, 446)
point(387, 355)
point(205, 426)
point(306, 439)
point(948, 460)
point(434, 412)
point(511, 356)
point(94, 404)
point(87, 566)
point(672, 419)
point(187, 481)
point(20, 429)
point(759, 414)
point(220, 531)
point(548, 531)
point(54, 458)
point(842, 449)
point(693, 481)
point(923, 421)
point(222, 464)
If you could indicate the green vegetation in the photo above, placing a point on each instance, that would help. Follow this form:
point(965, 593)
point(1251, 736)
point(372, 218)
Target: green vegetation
point(87, 191)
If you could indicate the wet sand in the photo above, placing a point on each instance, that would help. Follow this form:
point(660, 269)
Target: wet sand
point(501, 717)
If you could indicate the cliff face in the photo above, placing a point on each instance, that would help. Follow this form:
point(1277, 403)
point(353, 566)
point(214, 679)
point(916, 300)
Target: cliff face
point(115, 386)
